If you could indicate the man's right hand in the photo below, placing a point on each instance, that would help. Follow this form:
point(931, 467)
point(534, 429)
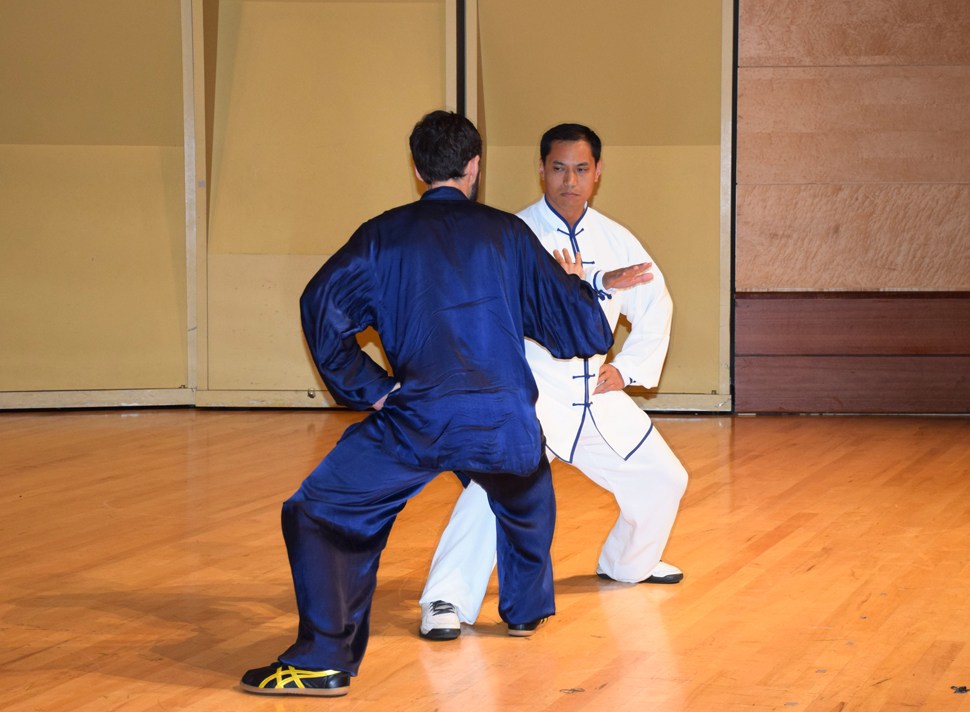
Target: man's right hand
point(627, 277)
point(566, 261)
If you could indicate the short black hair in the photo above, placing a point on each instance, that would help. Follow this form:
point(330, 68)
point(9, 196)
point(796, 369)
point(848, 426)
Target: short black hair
point(570, 132)
point(442, 143)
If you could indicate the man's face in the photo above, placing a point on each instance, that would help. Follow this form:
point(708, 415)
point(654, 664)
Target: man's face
point(570, 175)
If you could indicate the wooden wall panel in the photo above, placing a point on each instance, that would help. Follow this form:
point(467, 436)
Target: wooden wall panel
point(858, 353)
point(853, 32)
point(854, 324)
point(852, 384)
point(853, 237)
point(851, 125)
point(853, 166)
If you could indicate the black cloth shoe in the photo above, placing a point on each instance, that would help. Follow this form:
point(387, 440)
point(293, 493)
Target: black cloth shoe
point(283, 679)
point(663, 573)
point(524, 630)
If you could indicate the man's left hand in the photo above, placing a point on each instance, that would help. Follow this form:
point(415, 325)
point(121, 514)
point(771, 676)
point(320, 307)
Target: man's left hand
point(608, 379)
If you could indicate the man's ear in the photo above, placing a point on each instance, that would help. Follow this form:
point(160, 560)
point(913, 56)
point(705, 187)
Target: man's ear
point(418, 175)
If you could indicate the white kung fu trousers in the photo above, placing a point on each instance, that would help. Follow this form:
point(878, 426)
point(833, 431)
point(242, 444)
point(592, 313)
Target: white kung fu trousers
point(606, 436)
point(647, 487)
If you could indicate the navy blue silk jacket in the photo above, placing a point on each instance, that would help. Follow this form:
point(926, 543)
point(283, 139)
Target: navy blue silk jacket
point(451, 286)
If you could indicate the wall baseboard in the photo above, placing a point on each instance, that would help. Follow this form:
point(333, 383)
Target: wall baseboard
point(41, 400)
point(135, 398)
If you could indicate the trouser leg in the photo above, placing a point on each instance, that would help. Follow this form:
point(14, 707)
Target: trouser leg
point(525, 510)
point(463, 561)
point(647, 487)
point(335, 527)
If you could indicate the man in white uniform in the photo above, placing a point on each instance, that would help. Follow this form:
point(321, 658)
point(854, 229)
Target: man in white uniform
point(587, 418)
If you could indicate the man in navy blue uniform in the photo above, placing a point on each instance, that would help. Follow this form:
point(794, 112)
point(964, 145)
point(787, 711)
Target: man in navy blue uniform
point(452, 287)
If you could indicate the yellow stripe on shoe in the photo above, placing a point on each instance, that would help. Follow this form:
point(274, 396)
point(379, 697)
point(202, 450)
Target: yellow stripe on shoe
point(282, 679)
point(289, 674)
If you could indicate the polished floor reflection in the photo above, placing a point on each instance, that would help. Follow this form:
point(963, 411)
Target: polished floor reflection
point(827, 565)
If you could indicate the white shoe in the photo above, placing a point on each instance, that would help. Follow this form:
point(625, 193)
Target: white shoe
point(439, 621)
point(662, 573)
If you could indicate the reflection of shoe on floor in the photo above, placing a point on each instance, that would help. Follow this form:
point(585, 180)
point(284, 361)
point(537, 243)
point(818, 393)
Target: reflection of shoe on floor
point(282, 679)
point(663, 573)
point(439, 621)
point(524, 630)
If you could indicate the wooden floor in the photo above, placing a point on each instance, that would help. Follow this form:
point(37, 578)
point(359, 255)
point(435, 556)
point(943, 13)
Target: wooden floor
point(827, 566)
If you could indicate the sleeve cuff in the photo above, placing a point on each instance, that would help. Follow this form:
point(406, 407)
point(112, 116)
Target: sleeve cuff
point(597, 283)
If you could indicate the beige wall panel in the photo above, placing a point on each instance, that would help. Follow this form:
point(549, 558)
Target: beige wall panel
point(91, 72)
point(853, 238)
point(823, 125)
point(511, 179)
point(314, 104)
point(255, 337)
point(853, 32)
point(668, 197)
point(617, 66)
point(254, 314)
point(92, 294)
point(647, 77)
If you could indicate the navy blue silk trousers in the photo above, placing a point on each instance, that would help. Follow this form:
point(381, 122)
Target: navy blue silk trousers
point(337, 524)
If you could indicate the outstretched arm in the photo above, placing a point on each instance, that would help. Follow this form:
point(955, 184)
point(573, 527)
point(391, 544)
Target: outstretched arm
point(627, 277)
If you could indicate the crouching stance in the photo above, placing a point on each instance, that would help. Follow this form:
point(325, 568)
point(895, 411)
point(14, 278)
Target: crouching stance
point(452, 287)
point(587, 418)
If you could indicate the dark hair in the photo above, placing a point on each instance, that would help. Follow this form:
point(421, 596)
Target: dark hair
point(570, 132)
point(442, 144)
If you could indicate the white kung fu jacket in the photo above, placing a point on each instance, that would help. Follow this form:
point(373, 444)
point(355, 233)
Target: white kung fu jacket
point(566, 386)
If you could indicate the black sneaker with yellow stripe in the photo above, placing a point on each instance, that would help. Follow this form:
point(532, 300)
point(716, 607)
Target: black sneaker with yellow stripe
point(282, 679)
